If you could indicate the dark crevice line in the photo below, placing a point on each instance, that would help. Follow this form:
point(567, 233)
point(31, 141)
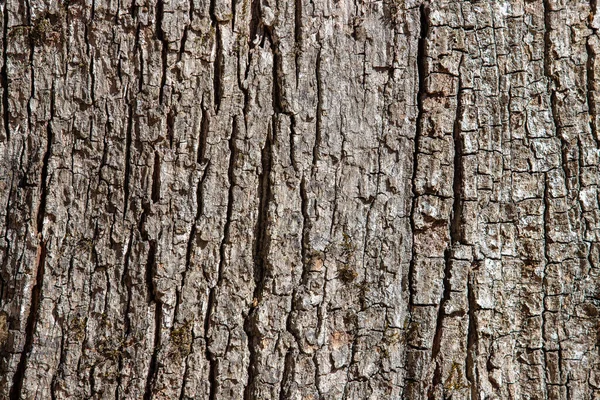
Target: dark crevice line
point(255, 22)
point(297, 36)
point(137, 48)
point(472, 337)
point(591, 81)
point(455, 228)
point(150, 272)
point(155, 196)
point(261, 229)
point(160, 35)
point(278, 100)
point(547, 41)
point(204, 129)
point(120, 66)
point(293, 135)
point(212, 360)
point(92, 81)
point(319, 111)
point(437, 339)
point(233, 14)
point(184, 37)
point(456, 231)
point(128, 137)
point(4, 76)
point(171, 127)
point(233, 153)
point(32, 318)
point(260, 250)
point(306, 226)
point(546, 228)
point(36, 291)
point(126, 281)
point(421, 73)
point(152, 298)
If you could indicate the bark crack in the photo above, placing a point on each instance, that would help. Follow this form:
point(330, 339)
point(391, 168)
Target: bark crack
point(32, 318)
point(421, 73)
point(4, 75)
point(319, 111)
point(128, 138)
point(160, 35)
point(153, 298)
point(261, 249)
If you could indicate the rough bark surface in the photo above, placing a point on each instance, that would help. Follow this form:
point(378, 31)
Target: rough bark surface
point(309, 199)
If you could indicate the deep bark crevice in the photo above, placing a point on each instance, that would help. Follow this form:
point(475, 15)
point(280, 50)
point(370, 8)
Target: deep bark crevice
point(153, 298)
point(261, 249)
point(472, 336)
point(32, 318)
point(160, 35)
point(421, 75)
point(319, 110)
point(591, 79)
point(155, 196)
point(298, 11)
point(204, 129)
point(4, 75)
point(128, 140)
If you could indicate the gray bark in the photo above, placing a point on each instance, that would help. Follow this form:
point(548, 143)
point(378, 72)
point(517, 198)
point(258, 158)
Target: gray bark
point(268, 199)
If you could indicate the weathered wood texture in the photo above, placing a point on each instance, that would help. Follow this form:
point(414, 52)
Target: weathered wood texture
point(269, 199)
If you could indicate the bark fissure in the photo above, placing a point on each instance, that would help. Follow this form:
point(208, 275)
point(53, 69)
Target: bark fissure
point(160, 35)
point(155, 196)
point(297, 37)
point(591, 78)
point(421, 75)
point(218, 63)
point(153, 298)
point(472, 337)
point(319, 110)
point(4, 74)
point(128, 139)
point(32, 318)
point(204, 128)
point(261, 248)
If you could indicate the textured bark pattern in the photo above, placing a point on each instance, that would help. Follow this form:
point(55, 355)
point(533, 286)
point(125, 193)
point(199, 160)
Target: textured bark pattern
point(269, 199)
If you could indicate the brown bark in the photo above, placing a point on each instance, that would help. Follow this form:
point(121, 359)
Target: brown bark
point(259, 199)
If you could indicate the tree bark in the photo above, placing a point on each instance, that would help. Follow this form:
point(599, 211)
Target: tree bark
point(268, 199)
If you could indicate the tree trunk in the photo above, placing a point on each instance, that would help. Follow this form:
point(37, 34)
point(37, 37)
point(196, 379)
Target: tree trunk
point(261, 199)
